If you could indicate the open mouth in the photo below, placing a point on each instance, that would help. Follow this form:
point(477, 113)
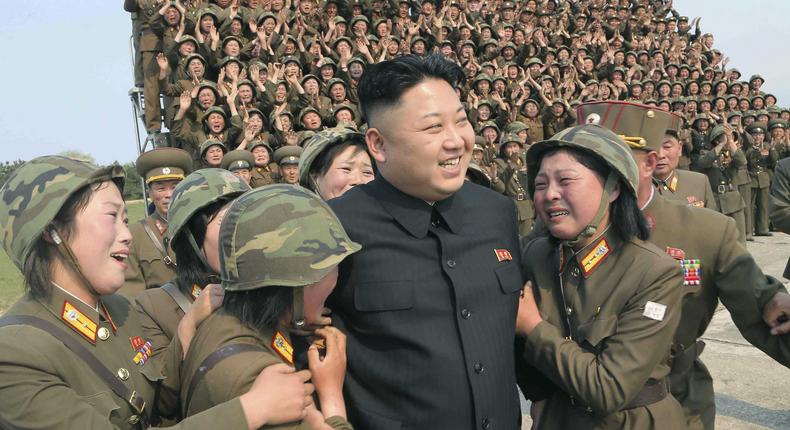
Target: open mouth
point(451, 163)
point(556, 213)
point(120, 257)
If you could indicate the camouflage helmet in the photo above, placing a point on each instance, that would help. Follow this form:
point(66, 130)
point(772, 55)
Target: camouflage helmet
point(317, 144)
point(598, 141)
point(602, 144)
point(34, 194)
point(280, 235)
point(198, 190)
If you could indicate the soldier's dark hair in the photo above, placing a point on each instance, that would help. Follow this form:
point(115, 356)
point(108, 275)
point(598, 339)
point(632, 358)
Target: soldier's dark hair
point(674, 134)
point(38, 265)
point(261, 308)
point(191, 270)
point(383, 84)
point(626, 220)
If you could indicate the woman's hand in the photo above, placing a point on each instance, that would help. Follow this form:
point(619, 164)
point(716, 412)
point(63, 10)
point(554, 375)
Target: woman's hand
point(329, 371)
point(528, 316)
point(279, 395)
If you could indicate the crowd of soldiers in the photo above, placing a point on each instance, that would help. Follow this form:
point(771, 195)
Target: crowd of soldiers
point(247, 76)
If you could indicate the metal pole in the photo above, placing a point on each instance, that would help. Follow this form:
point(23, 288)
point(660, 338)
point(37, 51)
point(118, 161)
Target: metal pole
point(134, 96)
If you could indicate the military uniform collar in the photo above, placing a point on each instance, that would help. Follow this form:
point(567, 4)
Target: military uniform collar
point(589, 258)
point(670, 183)
point(76, 314)
point(415, 214)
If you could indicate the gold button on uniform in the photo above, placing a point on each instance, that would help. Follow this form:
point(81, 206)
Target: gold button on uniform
point(104, 333)
point(134, 419)
point(123, 374)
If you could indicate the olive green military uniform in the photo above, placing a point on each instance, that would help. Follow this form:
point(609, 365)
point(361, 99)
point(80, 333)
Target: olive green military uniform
point(41, 374)
point(744, 183)
point(515, 187)
point(721, 170)
point(150, 43)
point(687, 186)
point(159, 315)
point(248, 264)
point(234, 375)
point(779, 203)
point(47, 384)
point(263, 175)
point(716, 267)
point(759, 167)
point(596, 341)
point(148, 267)
point(150, 263)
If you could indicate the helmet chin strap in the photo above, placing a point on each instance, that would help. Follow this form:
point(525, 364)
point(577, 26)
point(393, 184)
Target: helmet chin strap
point(71, 260)
point(212, 279)
point(589, 231)
point(299, 324)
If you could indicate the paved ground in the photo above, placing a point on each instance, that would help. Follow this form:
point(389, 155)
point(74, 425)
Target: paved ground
point(752, 390)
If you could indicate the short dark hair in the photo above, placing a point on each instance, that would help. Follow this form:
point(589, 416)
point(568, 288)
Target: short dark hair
point(674, 134)
point(261, 308)
point(383, 84)
point(38, 265)
point(191, 269)
point(625, 218)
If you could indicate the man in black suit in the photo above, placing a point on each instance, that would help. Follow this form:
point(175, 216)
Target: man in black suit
point(429, 304)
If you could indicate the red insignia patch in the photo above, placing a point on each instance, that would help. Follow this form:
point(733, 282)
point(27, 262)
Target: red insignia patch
point(676, 253)
point(503, 255)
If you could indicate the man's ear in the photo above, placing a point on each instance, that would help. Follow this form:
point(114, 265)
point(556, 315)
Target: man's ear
point(376, 145)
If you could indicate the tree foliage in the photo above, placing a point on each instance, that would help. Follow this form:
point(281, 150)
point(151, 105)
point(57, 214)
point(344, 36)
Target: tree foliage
point(8, 167)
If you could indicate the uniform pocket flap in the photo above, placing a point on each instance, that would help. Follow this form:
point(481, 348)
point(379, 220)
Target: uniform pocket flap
point(596, 331)
point(509, 277)
point(384, 296)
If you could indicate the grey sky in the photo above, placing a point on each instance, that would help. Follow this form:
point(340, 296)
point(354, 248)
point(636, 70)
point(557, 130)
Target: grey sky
point(67, 71)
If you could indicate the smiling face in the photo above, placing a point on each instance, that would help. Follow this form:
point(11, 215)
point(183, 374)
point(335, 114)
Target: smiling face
point(100, 239)
point(423, 144)
point(567, 195)
point(349, 168)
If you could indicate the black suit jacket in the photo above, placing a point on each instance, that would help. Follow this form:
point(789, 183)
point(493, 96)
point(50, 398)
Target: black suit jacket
point(429, 307)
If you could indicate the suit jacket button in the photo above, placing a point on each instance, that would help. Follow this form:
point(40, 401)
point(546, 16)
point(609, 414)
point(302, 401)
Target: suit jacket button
point(451, 263)
point(465, 314)
point(486, 424)
point(479, 368)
